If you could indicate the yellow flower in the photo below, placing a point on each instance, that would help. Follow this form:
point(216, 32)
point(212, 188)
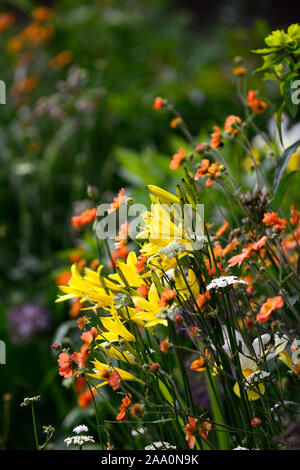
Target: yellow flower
point(128, 272)
point(101, 369)
point(149, 309)
point(249, 367)
point(115, 329)
point(160, 195)
point(86, 288)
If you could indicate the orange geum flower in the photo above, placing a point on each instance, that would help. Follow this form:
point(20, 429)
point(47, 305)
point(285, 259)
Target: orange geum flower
point(75, 308)
point(295, 215)
point(69, 364)
point(6, 19)
point(175, 122)
point(62, 59)
point(222, 229)
point(84, 399)
point(42, 13)
point(158, 103)
point(112, 378)
point(86, 217)
point(190, 429)
point(141, 264)
point(15, 44)
point(120, 199)
point(198, 365)
point(167, 298)
point(268, 307)
point(122, 236)
point(239, 259)
point(121, 252)
point(271, 219)
point(143, 290)
point(164, 346)
point(205, 428)
point(136, 410)
point(177, 159)
point(254, 103)
point(63, 278)
point(123, 408)
point(25, 85)
point(215, 138)
point(209, 170)
point(202, 300)
point(230, 123)
point(81, 322)
point(239, 71)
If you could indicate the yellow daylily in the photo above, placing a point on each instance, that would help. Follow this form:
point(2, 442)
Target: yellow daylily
point(162, 196)
point(149, 309)
point(128, 271)
point(101, 370)
point(115, 329)
point(86, 289)
point(182, 288)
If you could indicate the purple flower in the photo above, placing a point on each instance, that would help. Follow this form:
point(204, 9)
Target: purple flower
point(24, 320)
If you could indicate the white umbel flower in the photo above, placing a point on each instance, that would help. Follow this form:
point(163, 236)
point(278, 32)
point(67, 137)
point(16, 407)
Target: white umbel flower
point(160, 446)
point(81, 428)
point(79, 440)
point(224, 281)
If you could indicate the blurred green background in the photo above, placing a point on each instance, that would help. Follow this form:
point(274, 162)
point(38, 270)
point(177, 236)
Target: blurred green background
point(90, 121)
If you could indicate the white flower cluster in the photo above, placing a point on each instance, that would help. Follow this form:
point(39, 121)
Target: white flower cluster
point(160, 446)
point(79, 440)
point(81, 428)
point(224, 281)
point(257, 376)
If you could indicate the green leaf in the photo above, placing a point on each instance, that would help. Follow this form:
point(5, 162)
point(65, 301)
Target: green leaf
point(280, 192)
point(282, 164)
point(279, 121)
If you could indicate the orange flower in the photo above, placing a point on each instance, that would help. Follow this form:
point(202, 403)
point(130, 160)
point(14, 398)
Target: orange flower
point(79, 383)
point(120, 199)
point(6, 19)
point(42, 14)
point(113, 379)
point(254, 103)
point(123, 408)
point(271, 219)
point(230, 123)
point(75, 308)
point(215, 138)
point(222, 229)
point(62, 59)
point(136, 410)
point(205, 428)
point(209, 170)
point(37, 34)
point(143, 290)
point(295, 215)
point(202, 300)
point(85, 398)
point(190, 429)
point(175, 122)
point(177, 159)
point(158, 103)
point(268, 307)
point(89, 336)
point(86, 217)
point(14, 45)
point(167, 298)
point(81, 322)
point(121, 238)
point(63, 278)
point(120, 253)
point(164, 346)
point(26, 85)
point(198, 364)
point(230, 247)
point(246, 252)
point(141, 264)
point(239, 71)
point(67, 364)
